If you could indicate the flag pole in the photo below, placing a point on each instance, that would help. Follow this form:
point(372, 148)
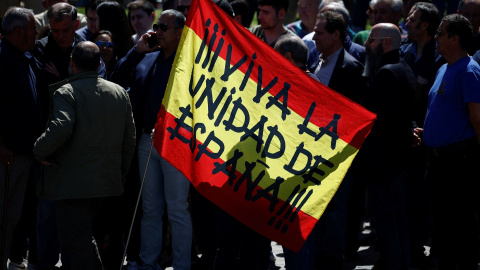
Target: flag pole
point(136, 206)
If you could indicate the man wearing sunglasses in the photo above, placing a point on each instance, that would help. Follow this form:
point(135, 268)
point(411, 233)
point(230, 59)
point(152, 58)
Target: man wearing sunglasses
point(146, 73)
point(391, 96)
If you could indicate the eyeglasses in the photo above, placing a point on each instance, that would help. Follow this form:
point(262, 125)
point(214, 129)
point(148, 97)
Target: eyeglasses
point(183, 8)
point(370, 39)
point(439, 32)
point(162, 26)
point(102, 44)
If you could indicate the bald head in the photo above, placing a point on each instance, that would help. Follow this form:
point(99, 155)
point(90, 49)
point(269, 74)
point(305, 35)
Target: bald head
point(390, 33)
point(85, 57)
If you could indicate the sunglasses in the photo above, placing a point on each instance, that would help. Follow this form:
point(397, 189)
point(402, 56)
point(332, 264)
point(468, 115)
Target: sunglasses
point(183, 8)
point(162, 26)
point(102, 44)
point(439, 32)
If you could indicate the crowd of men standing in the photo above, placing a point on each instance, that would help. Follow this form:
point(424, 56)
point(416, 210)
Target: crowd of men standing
point(79, 98)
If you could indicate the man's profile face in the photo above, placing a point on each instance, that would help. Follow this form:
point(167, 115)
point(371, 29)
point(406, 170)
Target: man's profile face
point(413, 24)
point(63, 31)
point(268, 17)
point(92, 20)
point(30, 34)
point(323, 39)
point(168, 39)
point(442, 38)
point(141, 21)
point(307, 11)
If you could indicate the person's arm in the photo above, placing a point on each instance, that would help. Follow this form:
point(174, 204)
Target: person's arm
point(474, 110)
point(61, 126)
point(123, 73)
point(128, 148)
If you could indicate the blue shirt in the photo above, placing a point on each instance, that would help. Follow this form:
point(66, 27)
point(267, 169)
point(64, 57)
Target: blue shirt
point(448, 119)
point(85, 33)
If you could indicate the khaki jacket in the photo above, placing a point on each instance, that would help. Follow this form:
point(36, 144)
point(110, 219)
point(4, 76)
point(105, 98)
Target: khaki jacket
point(90, 139)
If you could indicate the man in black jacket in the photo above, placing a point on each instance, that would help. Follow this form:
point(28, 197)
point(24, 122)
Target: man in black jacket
point(20, 117)
point(391, 96)
point(53, 56)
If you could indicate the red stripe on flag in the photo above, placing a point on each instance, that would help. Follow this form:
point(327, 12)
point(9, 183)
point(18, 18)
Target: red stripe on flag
point(215, 187)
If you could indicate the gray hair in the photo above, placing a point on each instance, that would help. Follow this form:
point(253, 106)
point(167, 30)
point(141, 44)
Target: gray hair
point(60, 10)
point(295, 46)
point(397, 5)
point(179, 18)
point(16, 17)
point(327, 2)
point(340, 8)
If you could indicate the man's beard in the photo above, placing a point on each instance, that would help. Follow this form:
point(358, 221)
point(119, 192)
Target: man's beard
point(372, 60)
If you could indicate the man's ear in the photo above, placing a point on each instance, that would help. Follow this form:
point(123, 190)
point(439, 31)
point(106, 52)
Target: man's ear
point(386, 43)
point(19, 33)
point(72, 65)
point(179, 33)
point(336, 34)
point(77, 22)
point(152, 17)
point(455, 38)
point(281, 13)
point(289, 56)
point(424, 25)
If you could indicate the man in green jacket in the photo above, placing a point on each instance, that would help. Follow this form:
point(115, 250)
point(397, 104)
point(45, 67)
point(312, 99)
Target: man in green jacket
point(86, 151)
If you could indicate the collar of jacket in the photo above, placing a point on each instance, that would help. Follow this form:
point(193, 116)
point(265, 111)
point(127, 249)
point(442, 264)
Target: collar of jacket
point(391, 57)
point(82, 75)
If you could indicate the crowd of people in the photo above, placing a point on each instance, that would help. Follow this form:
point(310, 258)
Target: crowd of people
point(79, 98)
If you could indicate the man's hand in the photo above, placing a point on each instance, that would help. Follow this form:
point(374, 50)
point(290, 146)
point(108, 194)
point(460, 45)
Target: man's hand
point(142, 45)
point(50, 67)
point(6, 156)
point(416, 136)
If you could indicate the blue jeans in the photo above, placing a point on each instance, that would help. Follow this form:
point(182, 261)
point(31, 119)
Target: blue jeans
point(163, 184)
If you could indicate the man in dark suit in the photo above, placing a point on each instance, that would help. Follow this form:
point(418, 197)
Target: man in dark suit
point(343, 73)
point(146, 73)
point(20, 120)
point(336, 64)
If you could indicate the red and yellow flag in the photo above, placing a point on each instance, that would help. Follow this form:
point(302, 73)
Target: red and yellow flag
point(254, 134)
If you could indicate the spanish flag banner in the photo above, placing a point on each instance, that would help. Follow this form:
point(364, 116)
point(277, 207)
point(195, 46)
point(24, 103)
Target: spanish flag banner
point(255, 135)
